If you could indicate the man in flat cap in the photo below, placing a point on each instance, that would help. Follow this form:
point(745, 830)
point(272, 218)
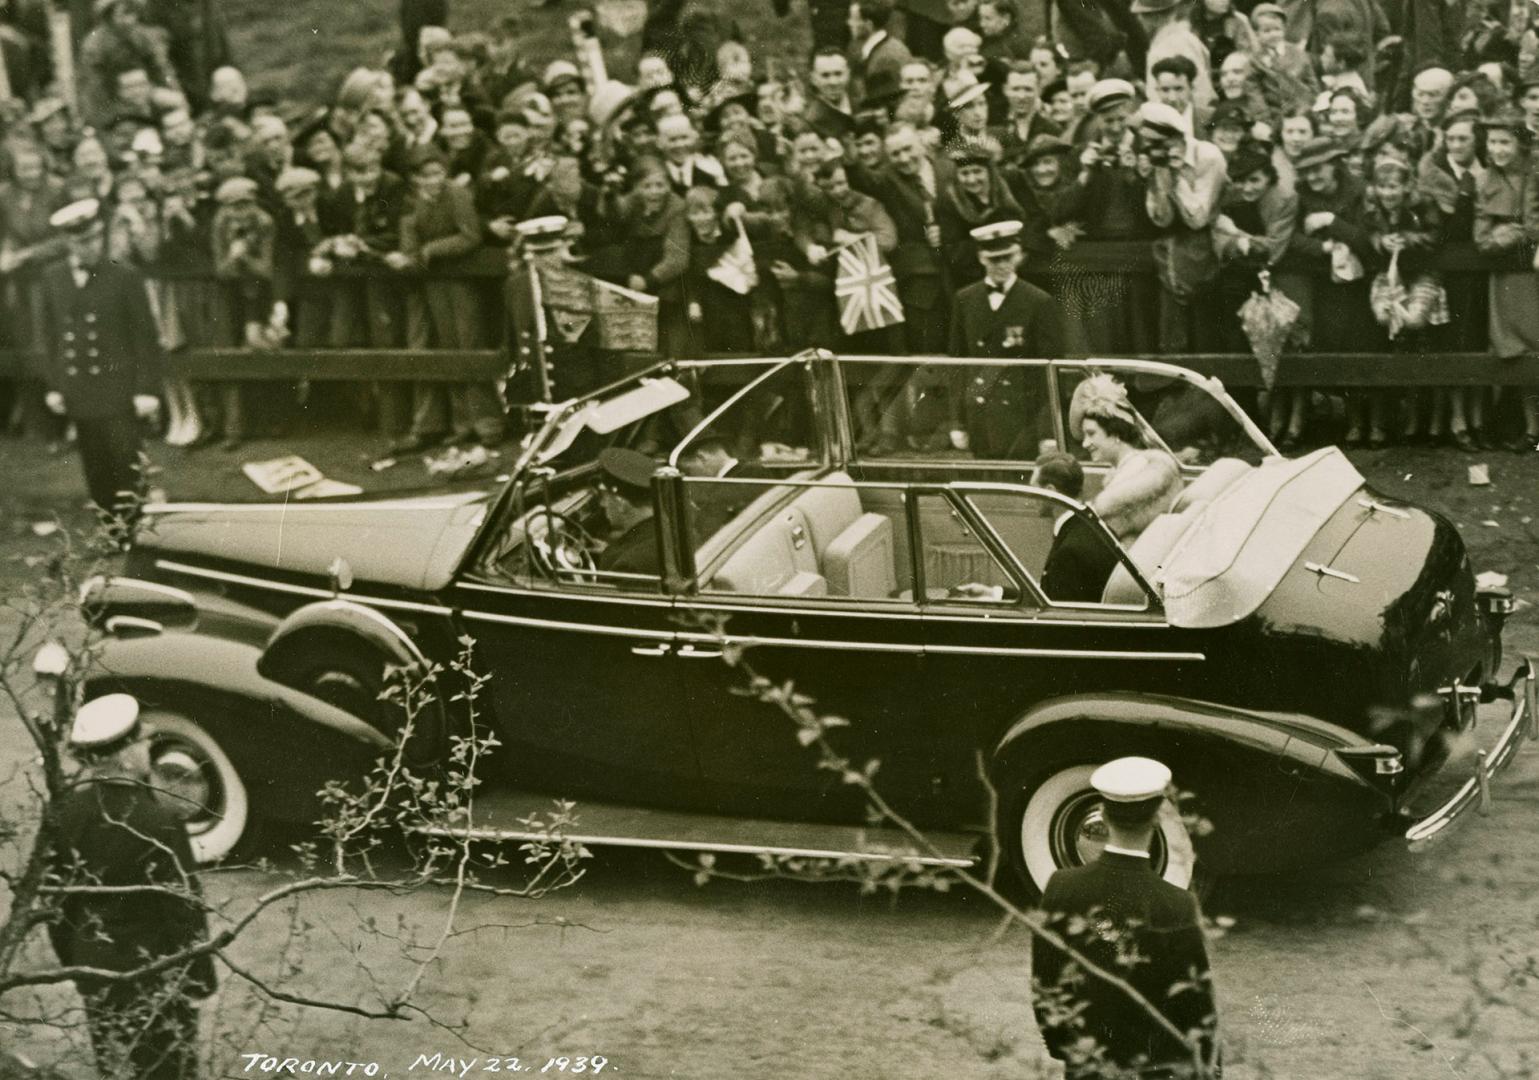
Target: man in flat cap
point(113, 828)
point(102, 351)
point(1135, 925)
point(1001, 408)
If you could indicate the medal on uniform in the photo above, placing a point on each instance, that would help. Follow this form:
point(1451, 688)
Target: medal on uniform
point(1015, 337)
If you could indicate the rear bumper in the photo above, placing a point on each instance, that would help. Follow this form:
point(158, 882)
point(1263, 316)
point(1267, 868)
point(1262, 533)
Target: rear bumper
point(1475, 792)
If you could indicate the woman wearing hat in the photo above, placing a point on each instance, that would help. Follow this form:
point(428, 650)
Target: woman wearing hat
point(1143, 482)
point(1253, 234)
point(977, 194)
point(1041, 185)
point(1505, 226)
point(1330, 243)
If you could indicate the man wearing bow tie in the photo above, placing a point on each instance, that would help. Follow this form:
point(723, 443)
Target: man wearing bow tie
point(1003, 410)
point(102, 347)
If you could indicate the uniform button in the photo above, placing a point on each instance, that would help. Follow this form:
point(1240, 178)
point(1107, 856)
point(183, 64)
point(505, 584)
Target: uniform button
point(978, 381)
point(979, 400)
point(72, 371)
point(90, 316)
point(69, 335)
point(92, 352)
point(69, 354)
point(93, 370)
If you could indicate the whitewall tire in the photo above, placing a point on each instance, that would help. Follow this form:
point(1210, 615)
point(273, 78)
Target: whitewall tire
point(201, 782)
point(1060, 826)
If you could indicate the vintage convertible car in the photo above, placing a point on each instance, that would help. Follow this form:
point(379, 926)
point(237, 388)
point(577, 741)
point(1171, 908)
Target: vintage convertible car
point(1302, 651)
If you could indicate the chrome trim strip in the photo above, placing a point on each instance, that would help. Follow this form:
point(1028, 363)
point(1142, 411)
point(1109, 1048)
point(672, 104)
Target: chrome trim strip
point(443, 502)
point(1067, 654)
point(494, 834)
point(750, 640)
point(119, 623)
point(504, 590)
point(946, 650)
point(581, 628)
point(298, 590)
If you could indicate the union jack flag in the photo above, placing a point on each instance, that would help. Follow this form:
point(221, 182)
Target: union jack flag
point(866, 288)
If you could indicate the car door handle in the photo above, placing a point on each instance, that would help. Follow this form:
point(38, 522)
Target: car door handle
point(695, 652)
point(659, 648)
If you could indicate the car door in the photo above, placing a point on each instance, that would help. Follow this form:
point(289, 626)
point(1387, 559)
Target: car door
point(814, 581)
point(579, 682)
point(992, 652)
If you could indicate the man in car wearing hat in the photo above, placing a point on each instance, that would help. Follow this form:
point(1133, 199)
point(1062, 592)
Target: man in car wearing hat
point(102, 349)
point(112, 828)
point(625, 489)
point(1127, 910)
point(1002, 316)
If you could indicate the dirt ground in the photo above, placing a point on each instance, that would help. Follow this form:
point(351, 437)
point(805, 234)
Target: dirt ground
point(1385, 967)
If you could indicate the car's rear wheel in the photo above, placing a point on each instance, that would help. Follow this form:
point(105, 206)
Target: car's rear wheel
point(1058, 824)
point(201, 784)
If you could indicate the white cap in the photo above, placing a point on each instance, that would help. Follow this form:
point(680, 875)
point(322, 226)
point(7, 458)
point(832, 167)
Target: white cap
point(997, 236)
point(76, 216)
point(1131, 779)
point(967, 96)
point(1108, 92)
point(103, 721)
point(542, 232)
point(1161, 117)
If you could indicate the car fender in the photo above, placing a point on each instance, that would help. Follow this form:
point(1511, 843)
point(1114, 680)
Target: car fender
point(1255, 775)
point(341, 626)
point(291, 647)
point(285, 744)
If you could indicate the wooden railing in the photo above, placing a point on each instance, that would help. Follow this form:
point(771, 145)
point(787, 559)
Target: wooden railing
point(1235, 369)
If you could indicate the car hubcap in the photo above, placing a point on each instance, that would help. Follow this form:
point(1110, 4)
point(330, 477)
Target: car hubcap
point(186, 774)
point(1078, 834)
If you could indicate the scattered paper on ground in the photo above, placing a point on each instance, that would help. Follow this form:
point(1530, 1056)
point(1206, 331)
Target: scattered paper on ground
point(326, 488)
point(281, 475)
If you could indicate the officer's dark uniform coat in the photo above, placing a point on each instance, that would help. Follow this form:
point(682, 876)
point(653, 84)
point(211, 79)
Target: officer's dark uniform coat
point(1122, 893)
point(1002, 408)
point(123, 834)
point(102, 348)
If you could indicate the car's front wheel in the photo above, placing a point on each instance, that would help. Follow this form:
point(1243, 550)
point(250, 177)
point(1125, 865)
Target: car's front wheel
point(1058, 824)
point(201, 784)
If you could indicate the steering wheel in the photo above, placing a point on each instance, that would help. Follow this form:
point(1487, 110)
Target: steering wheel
point(561, 547)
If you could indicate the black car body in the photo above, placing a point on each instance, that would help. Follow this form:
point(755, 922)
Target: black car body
point(816, 510)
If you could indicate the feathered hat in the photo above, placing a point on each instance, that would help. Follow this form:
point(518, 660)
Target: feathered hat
point(1099, 395)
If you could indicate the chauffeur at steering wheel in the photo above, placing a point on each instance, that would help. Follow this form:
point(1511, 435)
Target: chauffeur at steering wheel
point(625, 492)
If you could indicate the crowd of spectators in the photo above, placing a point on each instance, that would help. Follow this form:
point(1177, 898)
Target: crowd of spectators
point(1337, 149)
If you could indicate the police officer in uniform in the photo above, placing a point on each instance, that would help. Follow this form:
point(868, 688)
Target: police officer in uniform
point(112, 828)
point(1002, 410)
point(102, 347)
point(1125, 909)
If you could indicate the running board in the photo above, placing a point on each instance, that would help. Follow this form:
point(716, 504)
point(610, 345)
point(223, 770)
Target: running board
point(503, 816)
